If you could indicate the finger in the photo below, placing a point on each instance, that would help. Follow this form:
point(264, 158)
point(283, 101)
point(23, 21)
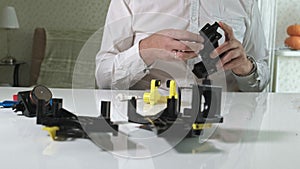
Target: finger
point(185, 55)
point(226, 46)
point(229, 57)
point(185, 46)
point(227, 30)
point(175, 55)
point(233, 54)
point(171, 55)
point(176, 45)
point(193, 46)
point(232, 64)
point(183, 35)
point(214, 54)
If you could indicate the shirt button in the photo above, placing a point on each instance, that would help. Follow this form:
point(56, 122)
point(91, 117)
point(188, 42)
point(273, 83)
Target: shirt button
point(194, 19)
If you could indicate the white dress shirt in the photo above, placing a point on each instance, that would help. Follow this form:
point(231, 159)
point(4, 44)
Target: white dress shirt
point(120, 66)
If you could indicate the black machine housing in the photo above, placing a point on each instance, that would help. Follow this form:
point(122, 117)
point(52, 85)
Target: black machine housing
point(198, 114)
point(211, 37)
point(49, 112)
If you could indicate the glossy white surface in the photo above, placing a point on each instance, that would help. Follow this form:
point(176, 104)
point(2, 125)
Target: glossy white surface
point(259, 131)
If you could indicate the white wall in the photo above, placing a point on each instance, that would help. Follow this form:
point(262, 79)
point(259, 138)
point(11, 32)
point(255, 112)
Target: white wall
point(287, 14)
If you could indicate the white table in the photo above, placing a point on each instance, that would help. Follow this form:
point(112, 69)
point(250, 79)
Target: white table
point(260, 131)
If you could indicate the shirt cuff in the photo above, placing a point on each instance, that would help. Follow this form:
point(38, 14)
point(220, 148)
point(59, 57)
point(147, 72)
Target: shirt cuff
point(129, 68)
point(249, 82)
point(136, 60)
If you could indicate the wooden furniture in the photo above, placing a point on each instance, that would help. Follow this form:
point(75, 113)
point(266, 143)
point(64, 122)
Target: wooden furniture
point(15, 66)
point(60, 56)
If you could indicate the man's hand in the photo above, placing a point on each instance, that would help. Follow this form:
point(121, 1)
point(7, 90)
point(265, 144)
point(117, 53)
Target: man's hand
point(234, 58)
point(170, 44)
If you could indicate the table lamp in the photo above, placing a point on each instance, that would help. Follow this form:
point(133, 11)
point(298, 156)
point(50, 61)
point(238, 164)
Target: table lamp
point(8, 21)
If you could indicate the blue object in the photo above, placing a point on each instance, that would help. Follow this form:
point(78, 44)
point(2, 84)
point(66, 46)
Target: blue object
point(8, 103)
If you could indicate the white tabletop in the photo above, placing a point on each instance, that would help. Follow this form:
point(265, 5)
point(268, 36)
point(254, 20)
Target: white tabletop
point(260, 130)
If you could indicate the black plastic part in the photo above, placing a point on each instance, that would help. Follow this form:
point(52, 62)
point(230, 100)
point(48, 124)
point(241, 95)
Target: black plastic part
point(133, 115)
point(171, 118)
point(208, 64)
point(50, 113)
point(25, 104)
point(171, 112)
point(105, 109)
point(157, 83)
point(212, 104)
point(168, 83)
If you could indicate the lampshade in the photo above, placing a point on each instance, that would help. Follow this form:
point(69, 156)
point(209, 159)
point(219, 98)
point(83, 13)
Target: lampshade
point(8, 18)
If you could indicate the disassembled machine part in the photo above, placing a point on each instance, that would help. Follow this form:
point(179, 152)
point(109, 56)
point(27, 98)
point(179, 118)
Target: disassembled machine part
point(59, 122)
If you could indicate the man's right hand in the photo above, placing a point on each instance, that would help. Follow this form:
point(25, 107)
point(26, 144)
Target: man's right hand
point(170, 44)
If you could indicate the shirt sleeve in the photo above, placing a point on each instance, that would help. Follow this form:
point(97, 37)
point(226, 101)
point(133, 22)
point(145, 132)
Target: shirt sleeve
point(255, 47)
point(257, 80)
point(118, 63)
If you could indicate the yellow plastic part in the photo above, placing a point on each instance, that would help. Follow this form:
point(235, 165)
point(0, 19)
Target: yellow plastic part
point(172, 90)
point(154, 97)
point(52, 131)
point(201, 126)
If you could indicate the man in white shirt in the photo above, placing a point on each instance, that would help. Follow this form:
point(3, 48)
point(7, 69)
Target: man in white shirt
point(138, 33)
